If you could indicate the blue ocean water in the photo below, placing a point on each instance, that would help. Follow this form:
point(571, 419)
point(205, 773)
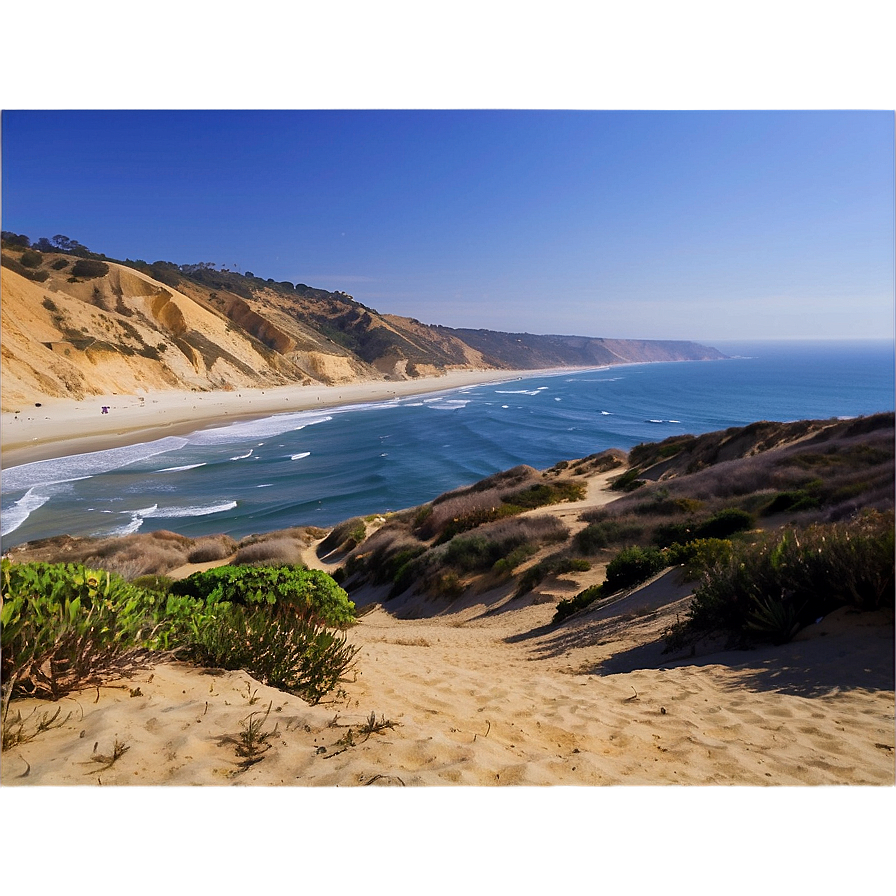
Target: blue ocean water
point(322, 467)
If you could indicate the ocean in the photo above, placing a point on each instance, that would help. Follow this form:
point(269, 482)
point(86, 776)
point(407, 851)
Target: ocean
point(322, 467)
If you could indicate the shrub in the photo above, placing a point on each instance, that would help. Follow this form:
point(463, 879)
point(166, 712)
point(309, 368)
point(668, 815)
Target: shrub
point(787, 579)
point(550, 566)
point(507, 564)
point(725, 523)
point(157, 584)
point(568, 606)
point(60, 264)
point(88, 268)
point(31, 259)
point(207, 550)
point(604, 533)
point(64, 626)
point(282, 650)
point(271, 552)
point(700, 555)
point(544, 494)
point(627, 482)
point(472, 552)
point(790, 502)
point(634, 565)
point(307, 592)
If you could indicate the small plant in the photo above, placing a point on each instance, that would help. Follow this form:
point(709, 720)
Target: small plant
point(119, 748)
point(372, 726)
point(550, 566)
point(66, 626)
point(252, 742)
point(568, 606)
point(21, 731)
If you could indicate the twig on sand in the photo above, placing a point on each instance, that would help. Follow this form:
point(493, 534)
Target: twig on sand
point(489, 728)
point(633, 697)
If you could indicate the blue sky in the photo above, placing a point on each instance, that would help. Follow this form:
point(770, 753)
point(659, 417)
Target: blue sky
point(692, 225)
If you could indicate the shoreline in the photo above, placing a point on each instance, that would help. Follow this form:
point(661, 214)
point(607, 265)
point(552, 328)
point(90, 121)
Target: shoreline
point(65, 427)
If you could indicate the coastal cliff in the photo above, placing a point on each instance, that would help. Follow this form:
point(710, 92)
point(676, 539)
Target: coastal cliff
point(77, 324)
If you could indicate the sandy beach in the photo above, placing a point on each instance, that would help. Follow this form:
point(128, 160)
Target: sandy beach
point(60, 427)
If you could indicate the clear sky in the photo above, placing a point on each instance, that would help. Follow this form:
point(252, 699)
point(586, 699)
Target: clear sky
point(703, 225)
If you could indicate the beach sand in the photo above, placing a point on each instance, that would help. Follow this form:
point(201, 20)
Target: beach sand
point(487, 695)
point(61, 427)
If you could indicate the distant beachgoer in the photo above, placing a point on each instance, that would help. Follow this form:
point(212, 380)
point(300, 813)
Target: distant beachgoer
point(105, 409)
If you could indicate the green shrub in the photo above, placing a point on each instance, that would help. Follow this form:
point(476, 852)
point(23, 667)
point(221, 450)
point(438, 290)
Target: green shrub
point(568, 606)
point(506, 565)
point(725, 523)
point(31, 259)
point(64, 624)
point(282, 650)
point(791, 502)
point(627, 482)
point(634, 565)
point(156, 583)
point(604, 533)
point(543, 494)
point(787, 579)
point(472, 553)
point(60, 264)
point(308, 592)
point(550, 566)
point(700, 555)
point(88, 268)
point(679, 533)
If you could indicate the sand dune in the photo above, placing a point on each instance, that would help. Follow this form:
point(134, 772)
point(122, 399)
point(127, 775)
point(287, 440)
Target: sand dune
point(491, 697)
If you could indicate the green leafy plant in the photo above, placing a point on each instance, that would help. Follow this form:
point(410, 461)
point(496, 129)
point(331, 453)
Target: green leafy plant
point(65, 626)
point(634, 565)
point(308, 592)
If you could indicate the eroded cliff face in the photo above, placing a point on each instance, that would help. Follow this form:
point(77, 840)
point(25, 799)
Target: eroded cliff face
point(123, 330)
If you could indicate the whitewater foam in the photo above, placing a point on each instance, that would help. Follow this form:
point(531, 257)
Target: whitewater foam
point(82, 466)
point(21, 510)
point(155, 512)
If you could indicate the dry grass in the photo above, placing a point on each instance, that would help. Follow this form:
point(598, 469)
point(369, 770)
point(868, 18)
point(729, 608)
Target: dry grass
point(211, 548)
point(272, 552)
